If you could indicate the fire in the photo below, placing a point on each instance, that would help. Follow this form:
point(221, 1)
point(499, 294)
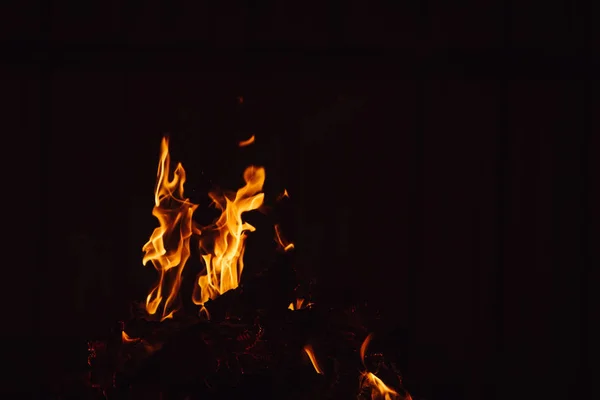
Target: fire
point(169, 246)
point(149, 348)
point(285, 245)
point(311, 355)
point(125, 338)
point(368, 380)
point(299, 304)
point(247, 142)
point(221, 244)
point(283, 195)
point(224, 262)
point(379, 390)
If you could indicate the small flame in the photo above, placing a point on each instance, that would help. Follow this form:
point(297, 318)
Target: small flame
point(299, 304)
point(169, 246)
point(311, 355)
point(379, 390)
point(247, 142)
point(285, 245)
point(149, 348)
point(368, 380)
point(363, 348)
point(224, 262)
point(283, 195)
point(127, 339)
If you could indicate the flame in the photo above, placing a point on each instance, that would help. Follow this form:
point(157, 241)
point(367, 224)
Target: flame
point(149, 348)
point(311, 355)
point(247, 142)
point(285, 245)
point(283, 195)
point(125, 338)
point(299, 304)
point(363, 348)
point(379, 390)
point(368, 380)
point(169, 246)
point(224, 262)
point(221, 245)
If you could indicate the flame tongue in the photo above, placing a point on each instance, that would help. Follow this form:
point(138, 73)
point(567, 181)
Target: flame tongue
point(371, 382)
point(221, 245)
point(313, 359)
point(169, 246)
point(224, 264)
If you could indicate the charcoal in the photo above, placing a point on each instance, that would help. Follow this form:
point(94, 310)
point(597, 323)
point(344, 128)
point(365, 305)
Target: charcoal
point(251, 346)
point(184, 358)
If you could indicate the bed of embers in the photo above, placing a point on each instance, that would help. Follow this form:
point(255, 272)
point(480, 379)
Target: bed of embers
point(260, 337)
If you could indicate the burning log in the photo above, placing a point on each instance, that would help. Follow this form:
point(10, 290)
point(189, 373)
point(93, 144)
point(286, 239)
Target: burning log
point(258, 337)
point(183, 359)
point(209, 359)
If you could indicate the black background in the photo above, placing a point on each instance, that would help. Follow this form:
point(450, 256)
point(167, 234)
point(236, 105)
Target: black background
point(442, 163)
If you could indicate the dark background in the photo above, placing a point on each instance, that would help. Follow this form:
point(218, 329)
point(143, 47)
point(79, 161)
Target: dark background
point(442, 163)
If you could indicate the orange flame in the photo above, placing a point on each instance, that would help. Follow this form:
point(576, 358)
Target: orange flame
point(285, 245)
point(283, 195)
point(247, 142)
point(379, 390)
point(169, 246)
point(311, 355)
point(299, 304)
point(149, 348)
point(368, 380)
point(224, 262)
point(363, 348)
point(125, 338)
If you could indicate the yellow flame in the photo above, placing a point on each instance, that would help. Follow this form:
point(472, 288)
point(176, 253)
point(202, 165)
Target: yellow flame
point(224, 262)
point(247, 142)
point(169, 246)
point(285, 245)
point(313, 359)
point(221, 248)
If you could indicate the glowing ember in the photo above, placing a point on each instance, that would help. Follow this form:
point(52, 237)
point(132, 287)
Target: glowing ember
point(311, 355)
point(247, 142)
